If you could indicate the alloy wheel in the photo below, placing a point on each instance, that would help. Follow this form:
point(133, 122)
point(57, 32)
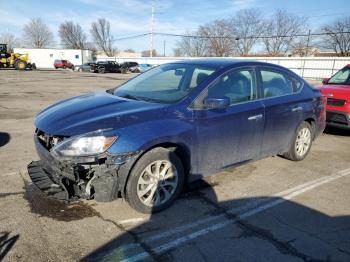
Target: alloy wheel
point(303, 141)
point(157, 183)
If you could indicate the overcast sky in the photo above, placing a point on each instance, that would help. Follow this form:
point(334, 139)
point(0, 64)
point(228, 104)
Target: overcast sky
point(129, 17)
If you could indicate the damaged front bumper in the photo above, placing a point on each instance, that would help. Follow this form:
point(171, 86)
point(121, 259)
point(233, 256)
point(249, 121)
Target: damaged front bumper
point(99, 177)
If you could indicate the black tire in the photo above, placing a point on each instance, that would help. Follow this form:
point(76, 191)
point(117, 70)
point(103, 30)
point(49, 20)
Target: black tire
point(15, 64)
point(101, 70)
point(151, 156)
point(292, 154)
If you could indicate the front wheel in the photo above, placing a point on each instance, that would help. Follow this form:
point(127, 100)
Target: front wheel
point(301, 143)
point(21, 65)
point(155, 181)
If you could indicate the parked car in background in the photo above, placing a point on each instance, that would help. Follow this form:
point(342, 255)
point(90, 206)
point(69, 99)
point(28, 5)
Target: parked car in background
point(140, 68)
point(83, 68)
point(126, 66)
point(105, 66)
point(337, 91)
point(62, 64)
point(173, 124)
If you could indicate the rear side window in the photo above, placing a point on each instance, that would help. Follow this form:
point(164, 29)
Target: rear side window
point(279, 84)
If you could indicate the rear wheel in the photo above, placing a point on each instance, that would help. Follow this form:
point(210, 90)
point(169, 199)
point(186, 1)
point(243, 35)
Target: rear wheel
point(155, 181)
point(301, 143)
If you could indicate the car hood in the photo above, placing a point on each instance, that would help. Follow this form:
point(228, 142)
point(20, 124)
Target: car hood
point(336, 91)
point(91, 112)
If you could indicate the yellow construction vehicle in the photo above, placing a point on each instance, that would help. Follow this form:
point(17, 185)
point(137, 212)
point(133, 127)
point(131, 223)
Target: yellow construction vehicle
point(14, 60)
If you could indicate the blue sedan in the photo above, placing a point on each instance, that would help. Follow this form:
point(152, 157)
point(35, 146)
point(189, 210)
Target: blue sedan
point(171, 125)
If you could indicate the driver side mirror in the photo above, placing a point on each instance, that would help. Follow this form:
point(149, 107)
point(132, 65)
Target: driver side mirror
point(325, 81)
point(216, 102)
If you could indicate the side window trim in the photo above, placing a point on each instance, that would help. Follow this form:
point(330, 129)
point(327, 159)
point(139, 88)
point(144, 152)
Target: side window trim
point(279, 71)
point(202, 95)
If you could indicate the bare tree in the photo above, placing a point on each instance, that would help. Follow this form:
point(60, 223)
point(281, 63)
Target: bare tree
point(219, 38)
point(247, 26)
point(177, 52)
point(10, 40)
point(37, 34)
point(193, 44)
point(280, 32)
point(100, 31)
point(337, 36)
point(145, 53)
point(129, 50)
point(72, 35)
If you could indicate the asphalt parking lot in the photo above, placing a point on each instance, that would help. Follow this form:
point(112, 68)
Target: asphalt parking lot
point(269, 210)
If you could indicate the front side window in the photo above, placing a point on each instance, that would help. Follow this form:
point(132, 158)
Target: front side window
point(239, 86)
point(342, 77)
point(279, 84)
point(166, 83)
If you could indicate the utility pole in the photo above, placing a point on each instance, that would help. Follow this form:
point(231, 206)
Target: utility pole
point(152, 28)
point(164, 48)
point(308, 43)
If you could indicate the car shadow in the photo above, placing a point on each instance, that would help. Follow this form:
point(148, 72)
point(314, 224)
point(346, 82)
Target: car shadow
point(4, 138)
point(6, 243)
point(337, 131)
point(285, 228)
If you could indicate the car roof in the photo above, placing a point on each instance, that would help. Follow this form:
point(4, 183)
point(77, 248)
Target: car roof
point(221, 63)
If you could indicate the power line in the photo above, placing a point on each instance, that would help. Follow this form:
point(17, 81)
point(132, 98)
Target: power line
point(250, 37)
point(130, 37)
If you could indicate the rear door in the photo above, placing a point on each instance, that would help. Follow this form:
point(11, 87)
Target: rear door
point(280, 94)
point(232, 135)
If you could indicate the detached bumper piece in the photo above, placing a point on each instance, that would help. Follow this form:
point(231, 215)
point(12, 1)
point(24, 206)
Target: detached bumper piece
point(41, 179)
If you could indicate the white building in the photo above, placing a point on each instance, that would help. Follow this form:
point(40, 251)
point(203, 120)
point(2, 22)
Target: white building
point(45, 57)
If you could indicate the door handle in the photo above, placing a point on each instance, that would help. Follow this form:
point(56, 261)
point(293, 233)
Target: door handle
point(256, 117)
point(297, 109)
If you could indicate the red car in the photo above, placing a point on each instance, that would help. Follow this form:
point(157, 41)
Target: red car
point(63, 64)
point(337, 91)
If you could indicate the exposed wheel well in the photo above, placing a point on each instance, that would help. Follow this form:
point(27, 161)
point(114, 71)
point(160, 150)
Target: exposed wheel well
point(180, 150)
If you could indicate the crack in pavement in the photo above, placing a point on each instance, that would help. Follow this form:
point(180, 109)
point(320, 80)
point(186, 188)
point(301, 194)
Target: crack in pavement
point(3, 195)
point(134, 235)
point(254, 231)
point(344, 251)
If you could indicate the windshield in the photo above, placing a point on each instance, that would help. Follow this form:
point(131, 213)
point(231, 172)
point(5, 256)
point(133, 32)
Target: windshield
point(342, 77)
point(166, 83)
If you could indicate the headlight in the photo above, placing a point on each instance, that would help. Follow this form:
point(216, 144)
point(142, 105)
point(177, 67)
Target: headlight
point(85, 145)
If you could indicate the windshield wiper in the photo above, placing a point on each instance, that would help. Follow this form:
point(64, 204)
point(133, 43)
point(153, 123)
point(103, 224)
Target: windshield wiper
point(128, 96)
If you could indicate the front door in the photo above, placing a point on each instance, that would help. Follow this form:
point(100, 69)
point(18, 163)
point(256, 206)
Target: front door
point(228, 136)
